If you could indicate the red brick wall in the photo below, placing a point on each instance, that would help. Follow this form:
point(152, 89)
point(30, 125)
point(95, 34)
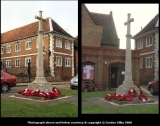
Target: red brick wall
point(67, 71)
point(63, 72)
point(146, 74)
point(146, 49)
point(62, 50)
point(110, 55)
point(76, 60)
point(90, 29)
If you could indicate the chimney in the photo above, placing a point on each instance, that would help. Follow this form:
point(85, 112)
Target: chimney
point(110, 12)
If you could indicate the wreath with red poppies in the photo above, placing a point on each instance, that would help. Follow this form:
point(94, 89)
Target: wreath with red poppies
point(132, 92)
point(52, 94)
point(142, 97)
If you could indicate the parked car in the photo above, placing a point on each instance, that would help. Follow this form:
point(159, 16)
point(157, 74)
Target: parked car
point(74, 82)
point(153, 87)
point(7, 81)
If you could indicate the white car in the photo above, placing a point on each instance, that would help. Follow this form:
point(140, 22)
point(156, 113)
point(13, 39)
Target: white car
point(74, 82)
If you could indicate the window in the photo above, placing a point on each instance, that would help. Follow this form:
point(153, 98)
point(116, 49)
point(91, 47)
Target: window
point(140, 44)
point(148, 62)
point(1, 50)
point(141, 62)
point(149, 41)
point(59, 42)
point(28, 45)
point(27, 61)
point(58, 61)
point(17, 63)
point(68, 62)
point(17, 47)
point(8, 49)
point(67, 45)
point(8, 63)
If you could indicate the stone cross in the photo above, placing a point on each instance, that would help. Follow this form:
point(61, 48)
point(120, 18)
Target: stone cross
point(127, 83)
point(128, 70)
point(40, 81)
point(40, 70)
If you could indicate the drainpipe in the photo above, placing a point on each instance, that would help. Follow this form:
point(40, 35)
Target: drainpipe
point(49, 53)
point(109, 80)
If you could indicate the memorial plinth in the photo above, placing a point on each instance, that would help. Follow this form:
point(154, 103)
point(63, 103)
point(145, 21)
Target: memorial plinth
point(40, 81)
point(128, 83)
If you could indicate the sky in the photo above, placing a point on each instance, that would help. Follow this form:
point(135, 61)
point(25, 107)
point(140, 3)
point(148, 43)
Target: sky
point(141, 13)
point(15, 14)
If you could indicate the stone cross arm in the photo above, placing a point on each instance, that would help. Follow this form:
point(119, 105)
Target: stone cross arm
point(129, 20)
point(40, 16)
point(36, 17)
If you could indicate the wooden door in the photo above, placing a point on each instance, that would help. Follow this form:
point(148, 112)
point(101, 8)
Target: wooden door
point(113, 77)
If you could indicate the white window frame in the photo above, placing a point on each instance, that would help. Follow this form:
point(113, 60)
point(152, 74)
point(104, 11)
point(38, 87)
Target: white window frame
point(141, 63)
point(150, 62)
point(68, 62)
point(140, 44)
point(27, 61)
point(17, 47)
point(150, 42)
point(58, 61)
point(2, 50)
point(67, 45)
point(28, 46)
point(58, 43)
point(8, 63)
point(8, 49)
point(17, 64)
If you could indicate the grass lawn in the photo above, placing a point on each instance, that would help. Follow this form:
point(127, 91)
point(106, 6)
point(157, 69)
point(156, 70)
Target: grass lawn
point(94, 94)
point(95, 109)
point(12, 108)
point(69, 91)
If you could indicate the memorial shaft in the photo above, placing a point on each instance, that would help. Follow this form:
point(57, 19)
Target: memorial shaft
point(128, 67)
point(40, 70)
point(127, 83)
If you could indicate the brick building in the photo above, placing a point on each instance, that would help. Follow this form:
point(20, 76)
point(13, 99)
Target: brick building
point(102, 60)
point(19, 45)
point(76, 55)
point(147, 42)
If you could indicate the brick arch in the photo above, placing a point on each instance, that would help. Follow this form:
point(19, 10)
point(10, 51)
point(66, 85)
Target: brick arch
point(88, 62)
point(117, 61)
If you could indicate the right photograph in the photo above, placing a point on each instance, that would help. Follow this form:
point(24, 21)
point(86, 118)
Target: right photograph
point(120, 58)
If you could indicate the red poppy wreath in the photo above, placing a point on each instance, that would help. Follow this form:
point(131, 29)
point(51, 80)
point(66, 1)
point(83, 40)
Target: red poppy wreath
point(132, 92)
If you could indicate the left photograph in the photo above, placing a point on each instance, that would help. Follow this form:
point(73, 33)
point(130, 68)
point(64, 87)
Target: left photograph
point(39, 59)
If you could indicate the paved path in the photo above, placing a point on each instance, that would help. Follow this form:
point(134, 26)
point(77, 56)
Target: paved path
point(100, 101)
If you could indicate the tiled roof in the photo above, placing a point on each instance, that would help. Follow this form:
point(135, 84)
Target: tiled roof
point(76, 42)
point(109, 31)
point(30, 30)
point(57, 28)
point(110, 36)
point(151, 25)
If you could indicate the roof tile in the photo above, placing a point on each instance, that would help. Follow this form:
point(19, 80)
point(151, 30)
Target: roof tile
point(110, 36)
point(30, 30)
point(151, 25)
